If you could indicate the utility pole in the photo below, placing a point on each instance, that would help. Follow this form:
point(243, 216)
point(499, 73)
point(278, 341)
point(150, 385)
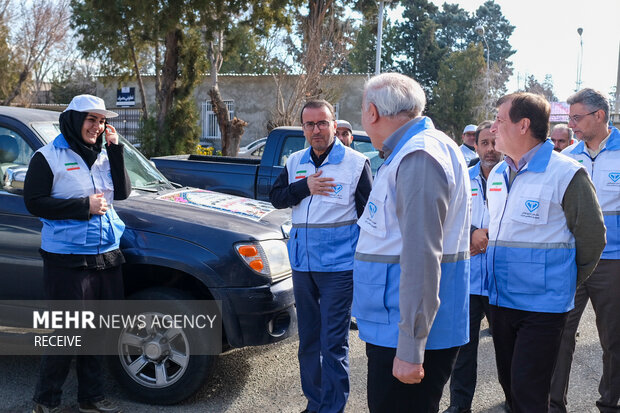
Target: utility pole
point(480, 32)
point(379, 35)
point(579, 59)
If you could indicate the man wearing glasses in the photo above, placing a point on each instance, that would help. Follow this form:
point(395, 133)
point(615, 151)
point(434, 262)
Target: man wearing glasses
point(599, 153)
point(327, 186)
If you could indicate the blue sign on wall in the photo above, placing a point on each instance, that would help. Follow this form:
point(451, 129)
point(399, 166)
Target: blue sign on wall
point(126, 96)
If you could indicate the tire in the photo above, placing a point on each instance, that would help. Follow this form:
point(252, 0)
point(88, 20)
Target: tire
point(167, 379)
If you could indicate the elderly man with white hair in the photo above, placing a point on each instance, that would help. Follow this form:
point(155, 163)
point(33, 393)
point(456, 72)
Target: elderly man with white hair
point(411, 270)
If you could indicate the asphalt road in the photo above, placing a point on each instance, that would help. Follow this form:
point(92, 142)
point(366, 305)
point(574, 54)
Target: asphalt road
point(266, 379)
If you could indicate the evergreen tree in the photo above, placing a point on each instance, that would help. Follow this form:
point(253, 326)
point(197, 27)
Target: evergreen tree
point(458, 93)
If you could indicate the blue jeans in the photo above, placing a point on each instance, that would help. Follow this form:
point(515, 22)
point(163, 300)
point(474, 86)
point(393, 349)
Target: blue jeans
point(323, 302)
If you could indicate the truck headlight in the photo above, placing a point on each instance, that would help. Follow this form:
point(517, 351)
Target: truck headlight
point(268, 258)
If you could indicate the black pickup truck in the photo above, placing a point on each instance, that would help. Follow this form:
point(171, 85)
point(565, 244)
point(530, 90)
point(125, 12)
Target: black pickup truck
point(179, 244)
point(247, 177)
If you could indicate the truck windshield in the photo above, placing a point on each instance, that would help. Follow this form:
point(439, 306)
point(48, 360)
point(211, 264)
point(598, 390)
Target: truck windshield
point(142, 173)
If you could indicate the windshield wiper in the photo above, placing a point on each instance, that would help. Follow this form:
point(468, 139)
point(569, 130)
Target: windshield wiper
point(142, 188)
point(155, 182)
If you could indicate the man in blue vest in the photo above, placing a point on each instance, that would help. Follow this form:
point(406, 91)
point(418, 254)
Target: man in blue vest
point(464, 375)
point(546, 234)
point(599, 153)
point(327, 186)
point(469, 139)
point(411, 274)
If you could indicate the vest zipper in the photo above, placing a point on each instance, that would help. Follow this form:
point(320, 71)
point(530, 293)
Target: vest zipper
point(499, 228)
point(307, 215)
point(100, 216)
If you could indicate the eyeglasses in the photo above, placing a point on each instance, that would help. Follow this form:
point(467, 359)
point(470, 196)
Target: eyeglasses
point(322, 124)
point(577, 118)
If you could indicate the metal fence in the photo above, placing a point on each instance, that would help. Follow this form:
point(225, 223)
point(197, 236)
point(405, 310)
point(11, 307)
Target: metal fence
point(127, 123)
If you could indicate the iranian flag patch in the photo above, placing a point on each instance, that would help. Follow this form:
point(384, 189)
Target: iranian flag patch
point(496, 187)
point(72, 166)
point(474, 192)
point(300, 174)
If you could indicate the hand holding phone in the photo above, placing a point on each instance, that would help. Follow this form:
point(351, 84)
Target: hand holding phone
point(111, 137)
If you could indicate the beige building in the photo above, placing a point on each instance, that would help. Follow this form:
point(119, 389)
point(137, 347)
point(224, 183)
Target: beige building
point(252, 98)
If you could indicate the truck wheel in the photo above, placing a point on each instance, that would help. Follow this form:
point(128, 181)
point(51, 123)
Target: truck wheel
point(159, 374)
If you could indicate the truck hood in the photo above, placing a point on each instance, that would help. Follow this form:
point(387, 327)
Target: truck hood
point(196, 214)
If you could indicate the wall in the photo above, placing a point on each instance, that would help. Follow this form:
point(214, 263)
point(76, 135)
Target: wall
point(254, 97)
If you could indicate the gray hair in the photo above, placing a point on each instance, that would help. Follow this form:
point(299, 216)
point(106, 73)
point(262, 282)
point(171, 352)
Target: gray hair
point(564, 127)
point(592, 99)
point(394, 94)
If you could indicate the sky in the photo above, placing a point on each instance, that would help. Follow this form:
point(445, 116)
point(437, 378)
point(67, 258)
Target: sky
point(546, 41)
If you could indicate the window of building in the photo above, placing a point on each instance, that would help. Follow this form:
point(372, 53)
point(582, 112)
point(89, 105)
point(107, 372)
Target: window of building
point(208, 120)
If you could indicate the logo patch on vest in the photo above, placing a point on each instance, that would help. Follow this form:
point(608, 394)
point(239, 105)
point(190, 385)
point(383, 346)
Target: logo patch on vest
point(372, 208)
point(300, 174)
point(72, 166)
point(337, 188)
point(496, 187)
point(532, 205)
point(614, 176)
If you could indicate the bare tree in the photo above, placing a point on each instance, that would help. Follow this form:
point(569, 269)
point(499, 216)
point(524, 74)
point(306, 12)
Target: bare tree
point(44, 25)
point(231, 130)
point(327, 40)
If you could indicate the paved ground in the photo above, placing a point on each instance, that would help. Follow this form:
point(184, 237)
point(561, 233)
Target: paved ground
point(266, 379)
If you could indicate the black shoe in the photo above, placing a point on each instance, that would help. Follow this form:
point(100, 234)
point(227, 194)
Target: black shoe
point(39, 408)
point(457, 409)
point(102, 406)
point(353, 325)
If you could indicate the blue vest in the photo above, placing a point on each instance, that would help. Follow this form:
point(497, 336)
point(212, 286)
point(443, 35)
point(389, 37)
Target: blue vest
point(73, 179)
point(376, 275)
point(478, 278)
point(324, 231)
point(531, 253)
point(605, 173)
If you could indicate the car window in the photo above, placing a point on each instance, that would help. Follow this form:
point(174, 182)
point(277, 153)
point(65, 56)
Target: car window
point(48, 131)
point(259, 152)
point(14, 151)
point(291, 145)
point(367, 149)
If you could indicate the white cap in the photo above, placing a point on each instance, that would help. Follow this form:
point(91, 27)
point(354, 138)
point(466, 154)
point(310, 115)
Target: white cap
point(91, 104)
point(470, 128)
point(344, 124)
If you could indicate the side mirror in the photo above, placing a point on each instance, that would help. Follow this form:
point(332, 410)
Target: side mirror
point(14, 178)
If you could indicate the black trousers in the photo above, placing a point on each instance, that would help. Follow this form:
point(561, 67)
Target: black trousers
point(465, 373)
point(75, 284)
point(526, 349)
point(386, 394)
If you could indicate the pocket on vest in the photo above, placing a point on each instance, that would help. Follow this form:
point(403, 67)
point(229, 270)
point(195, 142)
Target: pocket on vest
point(369, 286)
point(72, 231)
point(117, 227)
point(293, 248)
point(337, 244)
point(525, 270)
